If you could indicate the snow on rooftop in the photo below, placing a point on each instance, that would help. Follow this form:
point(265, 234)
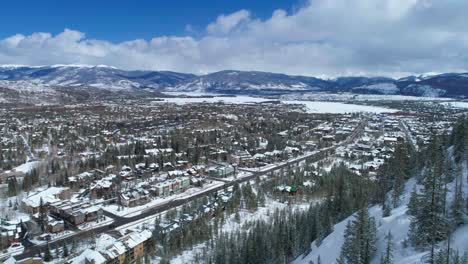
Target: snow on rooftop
point(104, 241)
point(89, 255)
point(26, 167)
point(48, 195)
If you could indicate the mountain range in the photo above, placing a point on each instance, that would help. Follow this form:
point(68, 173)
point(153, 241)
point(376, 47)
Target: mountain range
point(59, 79)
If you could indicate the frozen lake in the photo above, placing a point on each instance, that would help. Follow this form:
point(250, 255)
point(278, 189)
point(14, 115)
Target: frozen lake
point(311, 106)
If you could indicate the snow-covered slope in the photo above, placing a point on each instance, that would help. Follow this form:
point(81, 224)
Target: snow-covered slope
point(250, 81)
point(398, 223)
point(101, 76)
point(382, 88)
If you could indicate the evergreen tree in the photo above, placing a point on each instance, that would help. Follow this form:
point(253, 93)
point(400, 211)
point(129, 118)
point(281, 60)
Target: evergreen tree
point(65, 251)
point(429, 224)
point(57, 251)
point(413, 204)
point(47, 255)
point(387, 258)
point(457, 208)
point(360, 239)
point(349, 250)
point(386, 210)
point(12, 186)
point(459, 139)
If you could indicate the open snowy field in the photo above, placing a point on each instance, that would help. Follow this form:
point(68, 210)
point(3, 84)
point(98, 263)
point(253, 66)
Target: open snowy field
point(312, 106)
point(191, 94)
point(339, 108)
point(358, 97)
point(226, 99)
point(456, 104)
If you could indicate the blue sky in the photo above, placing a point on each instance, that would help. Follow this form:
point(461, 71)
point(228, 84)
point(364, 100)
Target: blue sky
point(120, 20)
point(323, 38)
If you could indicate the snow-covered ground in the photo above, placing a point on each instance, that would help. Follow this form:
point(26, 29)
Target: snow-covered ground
point(339, 108)
point(398, 223)
point(191, 94)
point(53, 237)
point(27, 167)
point(311, 106)
point(357, 97)
point(90, 225)
point(240, 175)
point(227, 100)
point(231, 224)
point(456, 104)
point(13, 250)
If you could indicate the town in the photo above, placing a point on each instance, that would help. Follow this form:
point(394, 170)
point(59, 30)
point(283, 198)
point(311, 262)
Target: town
point(118, 175)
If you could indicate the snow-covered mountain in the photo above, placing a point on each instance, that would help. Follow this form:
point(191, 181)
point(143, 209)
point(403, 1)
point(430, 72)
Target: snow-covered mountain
point(42, 78)
point(250, 82)
point(100, 76)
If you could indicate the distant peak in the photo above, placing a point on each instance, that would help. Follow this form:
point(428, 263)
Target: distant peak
point(15, 66)
point(81, 66)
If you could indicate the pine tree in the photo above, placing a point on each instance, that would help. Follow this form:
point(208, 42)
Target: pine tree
point(73, 247)
point(429, 224)
point(457, 207)
point(413, 204)
point(57, 251)
point(388, 257)
point(386, 210)
point(400, 171)
point(12, 186)
point(359, 239)
point(237, 217)
point(459, 138)
point(349, 248)
point(47, 255)
point(65, 251)
point(341, 259)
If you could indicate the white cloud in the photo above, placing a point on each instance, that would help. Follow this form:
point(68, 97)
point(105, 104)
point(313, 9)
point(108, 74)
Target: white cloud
point(325, 37)
point(224, 24)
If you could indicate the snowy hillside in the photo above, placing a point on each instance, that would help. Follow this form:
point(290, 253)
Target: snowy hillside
point(249, 81)
point(100, 76)
point(383, 88)
point(398, 223)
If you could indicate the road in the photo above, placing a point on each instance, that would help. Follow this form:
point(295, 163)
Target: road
point(28, 149)
point(34, 250)
point(409, 138)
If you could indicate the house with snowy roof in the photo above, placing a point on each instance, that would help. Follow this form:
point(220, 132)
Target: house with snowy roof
point(89, 256)
point(243, 158)
point(128, 248)
point(32, 260)
point(102, 187)
point(75, 212)
point(46, 196)
point(134, 197)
